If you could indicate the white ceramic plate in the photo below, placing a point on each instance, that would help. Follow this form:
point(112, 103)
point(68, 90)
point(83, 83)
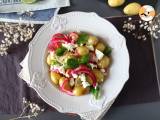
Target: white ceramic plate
point(77, 21)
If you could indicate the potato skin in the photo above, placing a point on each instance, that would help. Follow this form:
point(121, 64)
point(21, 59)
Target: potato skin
point(104, 62)
point(55, 77)
point(100, 46)
point(92, 40)
point(82, 50)
point(78, 90)
point(99, 75)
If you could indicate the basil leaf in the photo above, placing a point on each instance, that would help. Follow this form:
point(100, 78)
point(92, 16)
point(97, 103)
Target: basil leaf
point(72, 63)
point(95, 92)
point(60, 51)
point(107, 51)
point(82, 39)
point(84, 59)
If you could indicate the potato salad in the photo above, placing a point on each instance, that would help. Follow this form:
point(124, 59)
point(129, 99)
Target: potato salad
point(78, 63)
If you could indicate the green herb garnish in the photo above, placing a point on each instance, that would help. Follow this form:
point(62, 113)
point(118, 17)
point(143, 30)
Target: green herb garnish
point(54, 62)
point(84, 59)
point(83, 38)
point(107, 51)
point(72, 63)
point(95, 92)
point(60, 51)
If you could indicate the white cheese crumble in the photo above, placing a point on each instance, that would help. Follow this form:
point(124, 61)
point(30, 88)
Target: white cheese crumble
point(69, 46)
point(93, 65)
point(75, 75)
point(59, 68)
point(90, 47)
point(84, 81)
point(71, 82)
point(99, 54)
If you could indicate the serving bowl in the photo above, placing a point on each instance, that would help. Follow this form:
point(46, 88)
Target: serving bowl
point(38, 69)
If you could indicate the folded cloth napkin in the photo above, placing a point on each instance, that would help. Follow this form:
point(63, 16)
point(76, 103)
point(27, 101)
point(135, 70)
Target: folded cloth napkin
point(91, 115)
point(8, 6)
point(37, 13)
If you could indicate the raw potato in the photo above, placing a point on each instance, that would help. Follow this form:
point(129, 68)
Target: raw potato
point(104, 62)
point(48, 59)
point(132, 8)
point(55, 77)
point(78, 90)
point(100, 46)
point(82, 50)
point(92, 40)
point(99, 75)
point(115, 3)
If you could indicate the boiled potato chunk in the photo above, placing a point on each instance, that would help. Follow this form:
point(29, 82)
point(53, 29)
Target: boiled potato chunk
point(55, 77)
point(99, 75)
point(104, 62)
point(78, 90)
point(92, 40)
point(100, 46)
point(82, 50)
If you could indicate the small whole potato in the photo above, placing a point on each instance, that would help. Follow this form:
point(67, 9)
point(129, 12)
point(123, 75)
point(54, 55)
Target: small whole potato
point(115, 3)
point(78, 90)
point(55, 77)
point(100, 46)
point(104, 62)
point(92, 40)
point(99, 75)
point(132, 9)
point(48, 59)
point(82, 50)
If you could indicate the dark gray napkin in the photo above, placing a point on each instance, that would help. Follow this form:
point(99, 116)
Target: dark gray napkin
point(141, 87)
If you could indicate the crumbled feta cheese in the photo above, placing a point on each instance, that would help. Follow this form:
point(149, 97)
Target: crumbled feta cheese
point(75, 75)
point(84, 81)
point(67, 75)
point(69, 46)
point(93, 65)
point(58, 68)
point(103, 70)
point(90, 47)
point(71, 82)
point(85, 84)
point(99, 54)
point(82, 77)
